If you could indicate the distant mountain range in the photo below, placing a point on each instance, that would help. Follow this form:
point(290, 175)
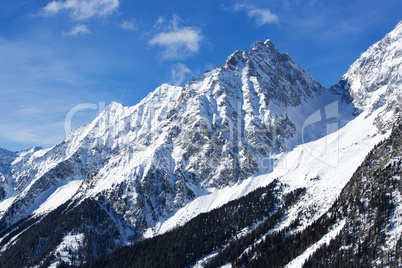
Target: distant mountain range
point(251, 164)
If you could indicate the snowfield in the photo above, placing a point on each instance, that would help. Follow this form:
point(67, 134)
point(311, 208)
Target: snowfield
point(297, 168)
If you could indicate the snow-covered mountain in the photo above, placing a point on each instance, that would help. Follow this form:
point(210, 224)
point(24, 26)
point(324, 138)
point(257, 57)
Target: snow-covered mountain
point(162, 152)
point(375, 79)
point(140, 171)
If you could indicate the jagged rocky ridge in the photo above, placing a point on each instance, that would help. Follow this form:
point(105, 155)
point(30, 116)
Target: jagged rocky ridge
point(151, 159)
point(375, 79)
point(136, 166)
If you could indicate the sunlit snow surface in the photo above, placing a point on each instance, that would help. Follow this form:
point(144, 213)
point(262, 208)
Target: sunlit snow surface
point(323, 178)
point(59, 197)
point(68, 247)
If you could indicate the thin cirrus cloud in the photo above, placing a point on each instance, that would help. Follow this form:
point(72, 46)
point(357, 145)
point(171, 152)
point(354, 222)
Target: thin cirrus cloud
point(80, 29)
point(129, 25)
point(177, 41)
point(82, 9)
point(179, 72)
point(260, 15)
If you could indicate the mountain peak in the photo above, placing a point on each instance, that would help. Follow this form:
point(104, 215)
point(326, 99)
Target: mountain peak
point(263, 53)
point(267, 43)
point(5, 152)
point(240, 57)
point(266, 47)
point(374, 80)
point(114, 106)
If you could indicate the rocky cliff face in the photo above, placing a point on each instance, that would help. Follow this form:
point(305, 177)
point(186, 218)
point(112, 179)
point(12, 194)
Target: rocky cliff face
point(375, 79)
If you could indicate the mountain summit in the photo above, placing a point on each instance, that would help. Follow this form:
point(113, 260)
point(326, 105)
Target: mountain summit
point(375, 79)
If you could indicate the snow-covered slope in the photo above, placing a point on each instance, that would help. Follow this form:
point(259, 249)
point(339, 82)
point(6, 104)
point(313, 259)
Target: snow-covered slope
point(374, 86)
point(323, 174)
point(185, 150)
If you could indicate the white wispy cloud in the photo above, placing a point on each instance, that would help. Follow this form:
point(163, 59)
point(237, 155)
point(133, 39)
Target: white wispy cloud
point(129, 25)
point(34, 108)
point(179, 72)
point(82, 9)
point(78, 29)
point(178, 41)
point(260, 15)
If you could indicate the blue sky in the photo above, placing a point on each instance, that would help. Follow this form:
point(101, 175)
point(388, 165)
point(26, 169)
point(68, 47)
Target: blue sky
point(55, 55)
